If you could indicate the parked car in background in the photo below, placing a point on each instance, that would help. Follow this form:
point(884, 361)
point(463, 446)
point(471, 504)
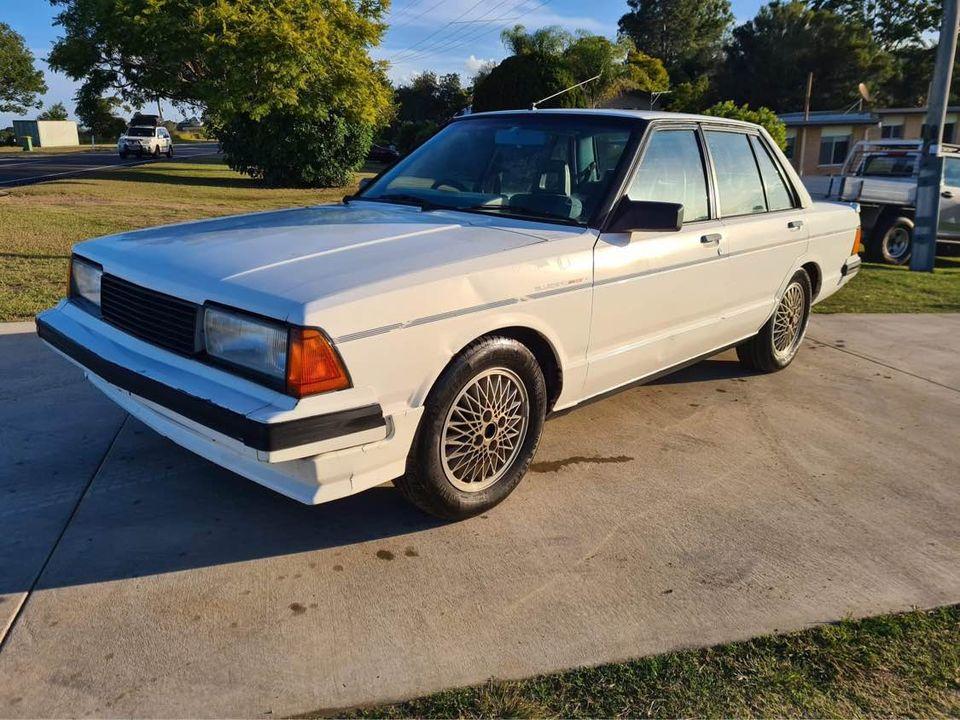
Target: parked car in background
point(882, 177)
point(383, 153)
point(144, 140)
point(515, 264)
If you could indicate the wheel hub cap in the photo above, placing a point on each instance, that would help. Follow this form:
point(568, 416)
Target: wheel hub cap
point(484, 430)
point(788, 321)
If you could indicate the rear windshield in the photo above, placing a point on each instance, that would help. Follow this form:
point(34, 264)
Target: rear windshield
point(889, 166)
point(140, 132)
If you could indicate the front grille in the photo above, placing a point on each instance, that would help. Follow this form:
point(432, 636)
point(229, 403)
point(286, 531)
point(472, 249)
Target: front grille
point(154, 317)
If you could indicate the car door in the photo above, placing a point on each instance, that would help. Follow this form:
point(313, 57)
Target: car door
point(763, 225)
point(657, 295)
point(950, 200)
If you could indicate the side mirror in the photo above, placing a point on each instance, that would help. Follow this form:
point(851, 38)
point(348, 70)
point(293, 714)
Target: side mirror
point(365, 182)
point(630, 215)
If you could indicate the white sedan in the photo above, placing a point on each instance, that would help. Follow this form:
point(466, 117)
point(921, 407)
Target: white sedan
point(516, 264)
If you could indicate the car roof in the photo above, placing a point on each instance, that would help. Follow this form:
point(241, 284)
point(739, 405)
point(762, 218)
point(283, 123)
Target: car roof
point(615, 112)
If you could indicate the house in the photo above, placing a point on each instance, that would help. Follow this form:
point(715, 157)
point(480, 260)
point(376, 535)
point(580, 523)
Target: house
point(190, 125)
point(827, 136)
point(47, 133)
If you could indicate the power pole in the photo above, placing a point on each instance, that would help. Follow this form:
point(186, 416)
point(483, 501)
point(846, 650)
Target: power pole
point(803, 130)
point(931, 162)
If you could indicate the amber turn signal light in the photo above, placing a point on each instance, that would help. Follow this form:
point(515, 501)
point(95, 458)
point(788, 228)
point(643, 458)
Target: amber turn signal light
point(856, 241)
point(313, 366)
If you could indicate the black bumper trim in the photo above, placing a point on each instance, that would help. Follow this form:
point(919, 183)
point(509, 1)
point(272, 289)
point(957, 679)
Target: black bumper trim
point(257, 435)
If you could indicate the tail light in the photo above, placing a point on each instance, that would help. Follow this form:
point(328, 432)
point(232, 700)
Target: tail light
point(313, 366)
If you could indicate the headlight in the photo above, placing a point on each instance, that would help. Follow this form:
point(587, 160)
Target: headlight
point(249, 342)
point(300, 361)
point(85, 281)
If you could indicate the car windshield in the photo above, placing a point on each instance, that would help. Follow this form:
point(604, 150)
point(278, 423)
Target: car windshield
point(555, 168)
point(902, 165)
point(140, 132)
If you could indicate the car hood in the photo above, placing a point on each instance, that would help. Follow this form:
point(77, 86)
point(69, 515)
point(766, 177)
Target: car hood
point(277, 262)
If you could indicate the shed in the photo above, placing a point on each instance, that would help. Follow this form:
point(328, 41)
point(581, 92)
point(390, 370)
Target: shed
point(48, 133)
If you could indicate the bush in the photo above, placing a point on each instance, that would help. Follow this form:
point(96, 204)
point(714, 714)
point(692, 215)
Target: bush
point(765, 117)
point(291, 149)
point(523, 79)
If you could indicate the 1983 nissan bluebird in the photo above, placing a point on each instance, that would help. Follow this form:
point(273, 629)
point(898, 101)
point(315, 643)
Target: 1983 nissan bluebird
point(517, 263)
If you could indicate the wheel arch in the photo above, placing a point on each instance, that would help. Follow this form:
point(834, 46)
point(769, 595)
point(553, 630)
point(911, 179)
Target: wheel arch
point(536, 340)
point(816, 278)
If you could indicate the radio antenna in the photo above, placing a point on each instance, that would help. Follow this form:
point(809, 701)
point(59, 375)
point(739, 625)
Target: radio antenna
point(533, 106)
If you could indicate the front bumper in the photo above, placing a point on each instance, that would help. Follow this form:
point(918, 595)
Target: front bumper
point(312, 450)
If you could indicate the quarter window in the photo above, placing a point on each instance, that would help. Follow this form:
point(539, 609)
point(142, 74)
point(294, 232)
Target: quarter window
point(738, 180)
point(672, 171)
point(778, 196)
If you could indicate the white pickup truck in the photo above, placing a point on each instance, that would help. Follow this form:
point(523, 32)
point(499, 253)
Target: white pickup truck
point(882, 177)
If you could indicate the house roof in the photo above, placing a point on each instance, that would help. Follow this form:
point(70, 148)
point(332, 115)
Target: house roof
point(829, 117)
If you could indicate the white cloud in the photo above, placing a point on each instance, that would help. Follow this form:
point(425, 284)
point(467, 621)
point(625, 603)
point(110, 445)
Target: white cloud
point(473, 63)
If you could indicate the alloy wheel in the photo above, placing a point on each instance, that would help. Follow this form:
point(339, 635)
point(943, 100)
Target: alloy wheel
point(484, 430)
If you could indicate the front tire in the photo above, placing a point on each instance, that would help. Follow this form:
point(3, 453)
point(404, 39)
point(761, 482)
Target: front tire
point(779, 340)
point(479, 431)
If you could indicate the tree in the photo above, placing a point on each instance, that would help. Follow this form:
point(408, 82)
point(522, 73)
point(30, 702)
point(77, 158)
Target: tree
point(97, 114)
point(893, 23)
point(549, 60)
point(258, 69)
point(20, 83)
point(646, 73)
point(424, 105)
point(687, 35)
point(769, 57)
point(57, 111)
point(521, 80)
point(765, 117)
point(551, 40)
point(428, 97)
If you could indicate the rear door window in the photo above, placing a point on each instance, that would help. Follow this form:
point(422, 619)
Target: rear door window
point(739, 186)
point(672, 170)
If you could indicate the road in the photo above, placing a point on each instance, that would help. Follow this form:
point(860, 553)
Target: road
point(26, 168)
point(139, 580)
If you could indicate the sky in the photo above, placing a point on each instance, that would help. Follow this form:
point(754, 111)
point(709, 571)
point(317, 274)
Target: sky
point(441, 35)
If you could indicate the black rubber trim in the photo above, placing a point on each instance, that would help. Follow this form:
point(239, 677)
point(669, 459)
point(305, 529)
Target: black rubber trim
point(257, 435)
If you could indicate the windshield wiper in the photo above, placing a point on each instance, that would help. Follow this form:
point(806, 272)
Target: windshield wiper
point(405, 199)
point(522, 212)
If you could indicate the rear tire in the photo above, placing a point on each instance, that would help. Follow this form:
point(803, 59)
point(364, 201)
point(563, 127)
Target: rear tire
point(779, 340)
point(893, 241)
point(480, 429)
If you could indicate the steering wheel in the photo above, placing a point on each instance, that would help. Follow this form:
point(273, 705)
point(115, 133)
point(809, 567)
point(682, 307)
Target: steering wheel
point(456, 185)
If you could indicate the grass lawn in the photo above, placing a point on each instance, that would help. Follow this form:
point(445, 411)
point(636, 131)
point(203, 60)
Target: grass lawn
point(885, 288)
point(39, 223)
point(896, 665)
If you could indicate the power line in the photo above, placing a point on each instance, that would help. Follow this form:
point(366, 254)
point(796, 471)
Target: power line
point(444, 27)
point(458, 39)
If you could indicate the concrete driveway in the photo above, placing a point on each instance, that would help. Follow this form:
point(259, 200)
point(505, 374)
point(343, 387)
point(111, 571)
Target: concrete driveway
point(139, 580)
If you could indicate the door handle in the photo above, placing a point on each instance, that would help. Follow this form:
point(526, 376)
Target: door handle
point(946, 194)
point(711, 239)
point(795, 224)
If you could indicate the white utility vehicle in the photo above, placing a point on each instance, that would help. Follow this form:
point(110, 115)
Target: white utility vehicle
point(881, 176)
point(517, 263)
point(142, 140)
